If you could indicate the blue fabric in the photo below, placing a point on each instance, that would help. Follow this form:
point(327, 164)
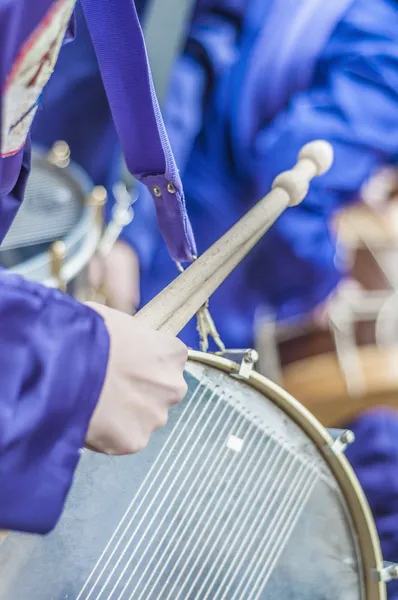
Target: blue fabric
point(44, 338)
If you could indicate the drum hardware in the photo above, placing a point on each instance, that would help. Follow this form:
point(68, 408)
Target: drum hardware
point(122, 215)
point(58, 256)
point(56, 208)
point(388, 573)
point(59, 155)
point(207, 328)
point(247, 360)
point(205, 325)
point(241, 476)
point(342, 438)
point(248, 363)
point(98, 199)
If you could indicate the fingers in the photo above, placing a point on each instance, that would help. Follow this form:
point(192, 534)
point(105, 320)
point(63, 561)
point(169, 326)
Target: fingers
point(145, 378)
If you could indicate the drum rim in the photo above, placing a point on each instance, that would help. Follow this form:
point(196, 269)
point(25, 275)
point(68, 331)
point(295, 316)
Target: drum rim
point(357, 504)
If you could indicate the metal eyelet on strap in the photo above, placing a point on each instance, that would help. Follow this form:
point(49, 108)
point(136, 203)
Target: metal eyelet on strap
point(157, 191)
point(171, 188)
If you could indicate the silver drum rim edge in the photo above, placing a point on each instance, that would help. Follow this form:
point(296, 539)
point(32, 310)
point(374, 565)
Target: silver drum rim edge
point(352, 491)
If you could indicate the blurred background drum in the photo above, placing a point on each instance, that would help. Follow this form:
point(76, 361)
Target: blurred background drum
point(57, 230)
point(60, 227)
point(343, 360)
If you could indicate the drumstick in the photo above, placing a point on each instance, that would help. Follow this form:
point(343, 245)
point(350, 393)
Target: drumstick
point(172, 309)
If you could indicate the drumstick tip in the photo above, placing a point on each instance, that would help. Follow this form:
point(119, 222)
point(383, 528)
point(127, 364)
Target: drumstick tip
point(320, 152)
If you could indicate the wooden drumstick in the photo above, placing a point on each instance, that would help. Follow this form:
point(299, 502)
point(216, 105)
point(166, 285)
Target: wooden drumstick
point(180, 301)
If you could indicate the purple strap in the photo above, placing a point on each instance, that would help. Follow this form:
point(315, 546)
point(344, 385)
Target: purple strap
point(119, 45)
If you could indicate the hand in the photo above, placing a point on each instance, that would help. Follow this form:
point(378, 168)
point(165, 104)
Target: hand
point(144, 379)
point(119, 278)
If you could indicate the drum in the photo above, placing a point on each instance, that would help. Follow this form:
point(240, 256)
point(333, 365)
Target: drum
point(243, 496)
point(341, 362)
point(57, 230)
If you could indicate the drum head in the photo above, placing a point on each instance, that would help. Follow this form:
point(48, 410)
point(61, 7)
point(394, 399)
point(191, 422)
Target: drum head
point(232, 500)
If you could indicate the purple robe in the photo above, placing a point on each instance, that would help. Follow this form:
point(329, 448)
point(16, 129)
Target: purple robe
point(53, 350)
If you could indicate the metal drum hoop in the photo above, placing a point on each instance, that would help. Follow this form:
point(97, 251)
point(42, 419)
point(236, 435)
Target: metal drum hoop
point(356, 501)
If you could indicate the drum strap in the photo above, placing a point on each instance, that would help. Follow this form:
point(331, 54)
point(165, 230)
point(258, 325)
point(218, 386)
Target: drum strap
point(119, 45)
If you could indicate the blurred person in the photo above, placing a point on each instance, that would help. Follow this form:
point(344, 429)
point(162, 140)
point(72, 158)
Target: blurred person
point(72, 375)
point(257, 80)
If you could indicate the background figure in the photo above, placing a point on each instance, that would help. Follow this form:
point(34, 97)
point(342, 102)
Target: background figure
point(238, 110)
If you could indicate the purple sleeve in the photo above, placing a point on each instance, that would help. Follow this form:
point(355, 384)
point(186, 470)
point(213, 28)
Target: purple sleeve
point(53, 350)
point(374, 458)
point(53, 358)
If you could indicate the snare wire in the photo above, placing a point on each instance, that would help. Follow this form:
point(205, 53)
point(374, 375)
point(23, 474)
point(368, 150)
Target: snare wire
point(301, 479)
point(284, 536)
point(182, 451)
point(221, 498)
point(280, 497)
point(178, 494)
point(249, 525)
point(163, 454)
point(234, 537)
point(193, 503)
